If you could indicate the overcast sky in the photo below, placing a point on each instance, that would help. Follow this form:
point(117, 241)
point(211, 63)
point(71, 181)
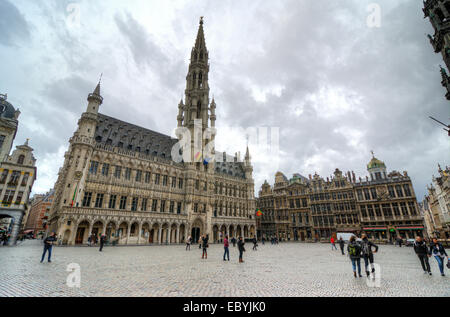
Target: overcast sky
point(335, 87)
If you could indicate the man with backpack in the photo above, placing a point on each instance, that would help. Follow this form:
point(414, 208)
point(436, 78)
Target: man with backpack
point(366, 249)
point(354, 252)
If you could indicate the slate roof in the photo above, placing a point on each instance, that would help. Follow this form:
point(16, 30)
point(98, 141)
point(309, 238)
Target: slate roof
point(117, 133)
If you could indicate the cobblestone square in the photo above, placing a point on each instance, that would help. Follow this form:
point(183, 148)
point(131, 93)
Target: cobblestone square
point(289, 269)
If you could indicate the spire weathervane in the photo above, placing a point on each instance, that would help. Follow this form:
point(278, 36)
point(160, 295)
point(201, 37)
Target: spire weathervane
point(201, 20)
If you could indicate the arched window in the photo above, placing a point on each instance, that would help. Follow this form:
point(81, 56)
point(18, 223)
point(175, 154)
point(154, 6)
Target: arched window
point(21, 159)
point(199, 109)
point(200, 80)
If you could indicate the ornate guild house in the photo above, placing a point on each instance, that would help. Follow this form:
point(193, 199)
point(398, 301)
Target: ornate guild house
point(383, 206)
point(121, 179)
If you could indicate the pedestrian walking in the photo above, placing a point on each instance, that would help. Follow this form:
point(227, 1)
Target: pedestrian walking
point(204, 246)
point(354, 252)
point(342, 245)
point(333, 244)
point(188, 243)
point(233, 240)
point(255, 244)
point(263, 240)
point(367, 253)
point(89, 240)
point(102, 242)
point(4, 239)
point(226, 246)
point(48, 245)
point(241, 249)
point(437, 250)
point(400, 242)
point(421, 249)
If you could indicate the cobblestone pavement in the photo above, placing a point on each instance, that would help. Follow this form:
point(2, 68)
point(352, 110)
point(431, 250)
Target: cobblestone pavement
point(289, 269)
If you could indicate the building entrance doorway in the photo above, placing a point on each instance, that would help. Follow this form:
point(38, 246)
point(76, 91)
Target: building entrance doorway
point(80, 236)
point(195, 234)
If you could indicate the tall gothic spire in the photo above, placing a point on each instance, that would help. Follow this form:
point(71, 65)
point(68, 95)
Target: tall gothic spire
point(197, 87)
point(200, 41)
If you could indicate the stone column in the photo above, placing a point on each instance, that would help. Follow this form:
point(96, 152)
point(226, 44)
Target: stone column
point(73, 234)
point(91, 225)
point(15, 230)
point(160, 235)
point(128, 233)
point(169, 235)
point(177, 238)
point(104, 228)
point(139, 233)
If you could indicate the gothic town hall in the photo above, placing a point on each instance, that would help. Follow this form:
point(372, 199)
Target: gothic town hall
point(121, 180)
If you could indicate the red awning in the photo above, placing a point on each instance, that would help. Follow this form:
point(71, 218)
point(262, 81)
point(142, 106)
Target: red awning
point(28, 231)
point(375, 229)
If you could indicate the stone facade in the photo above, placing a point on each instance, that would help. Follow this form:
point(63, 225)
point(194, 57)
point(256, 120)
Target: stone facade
point(311, 209)
point(438, 204)
point(438, 11)
point(17, 172)
point(124, 181)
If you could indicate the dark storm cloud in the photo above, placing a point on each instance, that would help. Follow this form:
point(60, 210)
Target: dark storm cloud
point(146, 52)
point(14, 29)
point(388, 75)
point(336, 88)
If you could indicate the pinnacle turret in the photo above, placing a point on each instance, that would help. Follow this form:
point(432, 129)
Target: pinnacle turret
point(95, 96)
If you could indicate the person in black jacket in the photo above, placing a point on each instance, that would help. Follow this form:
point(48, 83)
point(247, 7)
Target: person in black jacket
point(342, 245)
point(205, 246)
point(437, 250)
point(48, 245)
point(241, 249)
point(367, 253)
point(421, 249)
point(102, 242)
